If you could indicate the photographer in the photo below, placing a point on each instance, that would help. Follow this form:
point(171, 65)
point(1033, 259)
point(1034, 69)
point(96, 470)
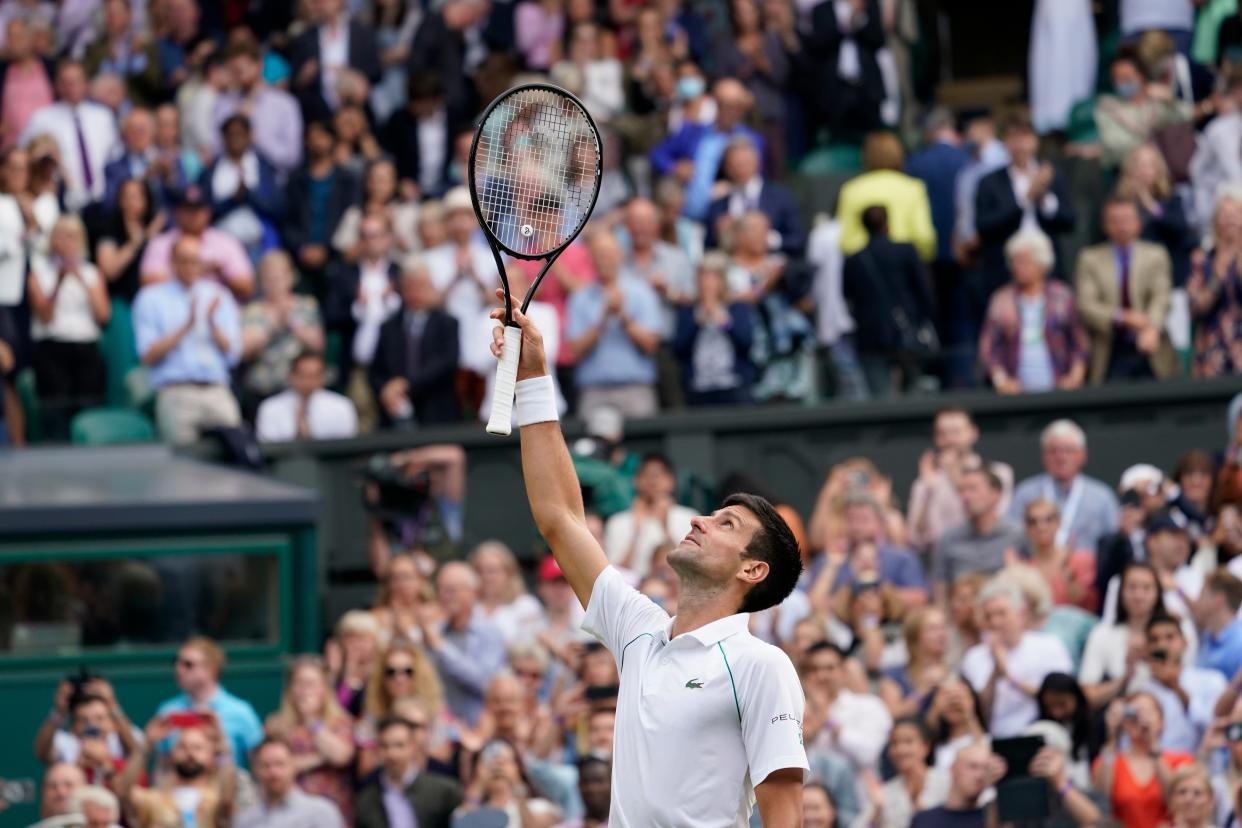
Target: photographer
point(415, 498)
point(99, 736)
point(1123, 762)
point(1187, 695)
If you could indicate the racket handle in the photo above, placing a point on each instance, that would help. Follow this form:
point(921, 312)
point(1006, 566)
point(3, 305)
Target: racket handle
point(501, 422)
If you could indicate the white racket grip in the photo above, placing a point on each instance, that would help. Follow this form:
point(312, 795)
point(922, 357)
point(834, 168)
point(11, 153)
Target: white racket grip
point(501, 421)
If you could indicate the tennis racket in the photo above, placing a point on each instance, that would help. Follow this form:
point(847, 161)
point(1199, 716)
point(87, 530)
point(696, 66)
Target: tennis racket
point(535, 165)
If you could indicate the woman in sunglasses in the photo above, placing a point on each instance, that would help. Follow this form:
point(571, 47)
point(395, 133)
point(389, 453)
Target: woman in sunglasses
point(1069, 572)
point(318, 730)
point(404, 672)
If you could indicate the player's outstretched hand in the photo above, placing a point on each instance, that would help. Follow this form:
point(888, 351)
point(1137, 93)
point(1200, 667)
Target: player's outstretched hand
point(532, 362)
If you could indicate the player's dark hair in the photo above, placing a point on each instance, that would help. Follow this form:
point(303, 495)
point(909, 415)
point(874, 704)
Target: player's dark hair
point(774, 544)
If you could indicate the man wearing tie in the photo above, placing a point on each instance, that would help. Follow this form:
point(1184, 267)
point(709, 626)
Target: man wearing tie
point(1123, 289)
point(744, 189)
point(84, 131)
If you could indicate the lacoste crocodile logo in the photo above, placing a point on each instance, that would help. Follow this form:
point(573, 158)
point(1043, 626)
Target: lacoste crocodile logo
point(694, 684)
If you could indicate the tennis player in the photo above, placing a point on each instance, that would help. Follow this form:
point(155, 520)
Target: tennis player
point(709, 718)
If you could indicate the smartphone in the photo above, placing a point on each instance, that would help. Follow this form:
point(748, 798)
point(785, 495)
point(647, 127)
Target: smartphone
point(185, 719)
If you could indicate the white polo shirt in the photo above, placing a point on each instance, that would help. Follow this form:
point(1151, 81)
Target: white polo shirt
point(701, 719)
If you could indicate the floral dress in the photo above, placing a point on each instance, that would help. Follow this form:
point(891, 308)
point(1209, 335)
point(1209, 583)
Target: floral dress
point(325, 781)
point(1218, 334)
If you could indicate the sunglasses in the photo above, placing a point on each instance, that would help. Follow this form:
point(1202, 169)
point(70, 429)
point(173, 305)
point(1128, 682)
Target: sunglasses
point(392, 672)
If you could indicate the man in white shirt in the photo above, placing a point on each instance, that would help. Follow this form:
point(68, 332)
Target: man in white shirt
point(1187, 694)
point(306, 410)
point(1007, 668)
point(84, 131)
point(653, 519)
point(462, 269)
point(705, 711)
point(855, 725)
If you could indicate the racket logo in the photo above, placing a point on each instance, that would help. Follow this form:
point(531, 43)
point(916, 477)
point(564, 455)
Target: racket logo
point(527, 230)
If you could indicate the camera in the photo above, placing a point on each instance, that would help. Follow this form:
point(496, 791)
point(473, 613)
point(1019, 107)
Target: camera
point(1131, 714)
point(1159, 656)
point(393, 492)
point(78, 681)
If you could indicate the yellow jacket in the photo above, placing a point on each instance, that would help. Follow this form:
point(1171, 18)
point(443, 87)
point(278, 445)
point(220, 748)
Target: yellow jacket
point(909, 211)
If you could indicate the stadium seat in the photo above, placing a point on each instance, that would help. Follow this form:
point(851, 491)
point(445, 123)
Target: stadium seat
point(834, 158)
point(119, 352)
point(106, 426)
point(25, 384)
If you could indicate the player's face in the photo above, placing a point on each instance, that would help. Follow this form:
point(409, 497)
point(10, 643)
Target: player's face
point(712, 551)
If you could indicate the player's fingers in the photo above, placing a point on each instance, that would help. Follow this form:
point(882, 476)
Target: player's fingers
point(500, 293)
point(498, 341)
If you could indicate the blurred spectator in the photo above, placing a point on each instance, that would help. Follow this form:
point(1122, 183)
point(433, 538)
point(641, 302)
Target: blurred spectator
point(847, 86)
point(462, 269)
point(175, 164)
point(597, 78)
point(1217, 161)
point(123, 241)
point(1137, 756)
point(356, 648)
point(416, 356)
point(136, 157)
point(25, 82)
point(1088, 507)
point(356, 146)
point(200, 661)
point(744, 189)
point(756, 56)
point(26, 220)
point(503, 598)
point(1009, 667)
point(855, 725)
point(450, 43)
point(972, 773)
point(1027, 195)
point(984, 541)
point(403, 674)
point(395, 23)
point(274, 115)
point(713, 340)
point(99, 735)
point(1216, 613)
point(938, 166)
point(322, 56)
point(819, 810)
point(467, 649)
point(1112, 658)
point(198, 787)
point(281, 803)
point(1069, 573)
point(1215, 289)
point(361, 297)
point(1123, 290)
point(188, 334)
point(419, 135)
point(318, 194)
point(1032, 337)
point(1145, 180)
point(1176, 17)
point(127, 51)
point(1187, 694)
point(906, 689)
point(986, 154)
point(500, 783)
point(1062, 62)
point(196, 100)
point(890, 300)
point(61, 783)
point(222, 256)
point(865, 549)
point(539, 28)
point(885, 185)
point(276, 328)
point(612, 328)
point(317, 732)
point(935, 503)
point(306, 410)
point(98, 806)
point(1191, 799)
point(246, 198)
point(85, 133)
point(659, 263)
point(595, 789)
point(654, 518)
point(380, 195)
point(694, 153)
point(404, 793)
point(1136, 112)
point(915, 787)
point(69, 308)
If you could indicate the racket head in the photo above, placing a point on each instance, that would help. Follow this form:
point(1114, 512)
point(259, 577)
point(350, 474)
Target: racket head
point(534, 173)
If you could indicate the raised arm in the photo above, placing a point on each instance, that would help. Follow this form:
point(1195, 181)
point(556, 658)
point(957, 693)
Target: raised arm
point(551, 483)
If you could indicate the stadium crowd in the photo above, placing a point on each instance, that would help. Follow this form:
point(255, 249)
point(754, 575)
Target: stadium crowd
point(253, 213)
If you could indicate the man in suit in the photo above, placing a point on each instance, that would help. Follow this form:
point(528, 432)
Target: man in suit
point(403, 792)
point(1026, 194)
point(246, 199)
point(415, 361)
point(420, 136)
point(135, 161)
point(847, 86)
point(887, 289)
point(743, 190)
point(322, 53)
point(318, 195)
point(450, 44)
point(1123, 288)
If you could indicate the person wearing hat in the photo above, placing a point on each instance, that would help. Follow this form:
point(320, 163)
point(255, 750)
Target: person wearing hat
point(462, 269)
point(223, 257)
point(1142, 500)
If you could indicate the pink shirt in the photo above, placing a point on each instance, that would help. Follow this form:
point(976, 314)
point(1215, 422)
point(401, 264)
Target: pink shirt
point(25, 90)
point(221, 252)
point(577, 260)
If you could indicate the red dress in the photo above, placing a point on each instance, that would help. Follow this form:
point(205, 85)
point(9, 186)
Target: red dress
point(1141, 806)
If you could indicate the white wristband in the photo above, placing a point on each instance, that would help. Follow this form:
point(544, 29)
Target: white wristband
point(536, 402)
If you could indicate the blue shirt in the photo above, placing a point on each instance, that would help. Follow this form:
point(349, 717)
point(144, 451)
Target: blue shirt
point(467, 660)
point(705, 146)
point(162, 308)
point(1223, 652)
point(615, 359)
point(899, 568)
point(937, 166)
point(240, 723)
point(320, 191)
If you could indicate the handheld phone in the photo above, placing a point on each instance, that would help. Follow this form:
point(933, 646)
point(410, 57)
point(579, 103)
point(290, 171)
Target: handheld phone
point(185, 719)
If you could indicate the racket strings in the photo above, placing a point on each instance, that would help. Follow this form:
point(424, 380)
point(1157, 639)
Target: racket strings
point(536, 166)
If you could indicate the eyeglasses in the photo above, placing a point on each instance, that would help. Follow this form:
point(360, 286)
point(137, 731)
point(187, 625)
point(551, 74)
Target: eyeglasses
point(393, 672)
